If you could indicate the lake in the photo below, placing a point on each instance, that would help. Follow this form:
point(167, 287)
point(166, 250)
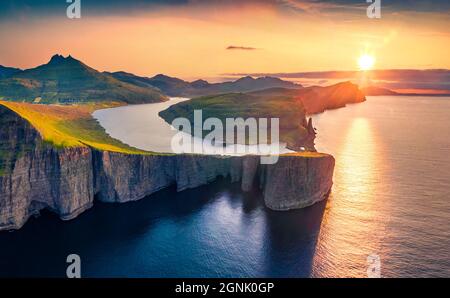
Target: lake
point(140, 126)
point(390, 199)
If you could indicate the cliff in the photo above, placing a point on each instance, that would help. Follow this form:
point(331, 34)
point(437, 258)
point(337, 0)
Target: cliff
point(318, 99)
point(35, 175)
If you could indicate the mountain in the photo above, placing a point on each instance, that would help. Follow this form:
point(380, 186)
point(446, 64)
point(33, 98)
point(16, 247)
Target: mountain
point(317, 99)
point(177, 87)
point(68, 80)
point(8, 71)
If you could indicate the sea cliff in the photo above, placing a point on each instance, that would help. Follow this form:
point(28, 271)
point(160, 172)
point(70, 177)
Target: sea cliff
point(36, 175)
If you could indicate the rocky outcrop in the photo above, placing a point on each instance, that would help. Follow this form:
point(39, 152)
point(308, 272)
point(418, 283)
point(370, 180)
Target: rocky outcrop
point(297, 182)
point(318, 99)
point(68, 180)
point(59, 180)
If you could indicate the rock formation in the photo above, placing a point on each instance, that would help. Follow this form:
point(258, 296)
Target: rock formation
point(66, 181)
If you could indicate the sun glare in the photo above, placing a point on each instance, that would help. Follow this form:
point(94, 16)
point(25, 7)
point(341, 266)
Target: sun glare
point(366, 62)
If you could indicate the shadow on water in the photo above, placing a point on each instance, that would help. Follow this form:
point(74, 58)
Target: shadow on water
point(210, 231)
point(292, 239)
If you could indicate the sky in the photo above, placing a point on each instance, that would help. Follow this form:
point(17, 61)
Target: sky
point(210, 38)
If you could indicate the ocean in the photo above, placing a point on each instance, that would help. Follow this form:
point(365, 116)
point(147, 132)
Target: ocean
point(390, 200)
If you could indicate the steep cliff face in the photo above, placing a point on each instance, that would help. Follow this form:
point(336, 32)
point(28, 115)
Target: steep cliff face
point(67, 180)
point(122, 178)
point(35, 175)
point(17, 137)
point(60, 180)
point(297, 182)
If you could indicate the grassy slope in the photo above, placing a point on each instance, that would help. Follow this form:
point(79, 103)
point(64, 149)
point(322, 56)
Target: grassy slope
point(67, 80)
point(232, 105)
point(73, 126)
point(316, 99)
point(70, 126)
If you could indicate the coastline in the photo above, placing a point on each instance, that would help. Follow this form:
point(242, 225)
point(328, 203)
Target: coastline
point(67, 180)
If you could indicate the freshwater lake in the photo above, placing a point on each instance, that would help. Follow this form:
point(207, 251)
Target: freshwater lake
point(390, 199)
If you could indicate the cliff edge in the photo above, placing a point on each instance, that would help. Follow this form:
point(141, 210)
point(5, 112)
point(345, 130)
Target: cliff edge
point(35, 175)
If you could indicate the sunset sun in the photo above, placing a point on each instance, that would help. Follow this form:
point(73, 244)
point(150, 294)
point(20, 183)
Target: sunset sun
point(366, 62)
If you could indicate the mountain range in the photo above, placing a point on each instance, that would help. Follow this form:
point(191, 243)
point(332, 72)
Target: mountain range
point(176, 87)
point(68, 80)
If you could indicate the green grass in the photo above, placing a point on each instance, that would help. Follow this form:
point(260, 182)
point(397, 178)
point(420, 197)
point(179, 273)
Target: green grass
point(70, 126)
point(64, 126)
point(67, 80)
point(288, 109)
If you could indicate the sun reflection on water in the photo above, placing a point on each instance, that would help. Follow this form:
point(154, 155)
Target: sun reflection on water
point(356, 182)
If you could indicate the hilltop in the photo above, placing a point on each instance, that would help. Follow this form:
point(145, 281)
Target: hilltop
point(68, 80)
point(65, 126)
point(317, 99)
point(294, 128)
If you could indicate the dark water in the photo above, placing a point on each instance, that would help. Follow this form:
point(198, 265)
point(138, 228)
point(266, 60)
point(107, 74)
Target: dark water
point(211, 231)
point(391, 198)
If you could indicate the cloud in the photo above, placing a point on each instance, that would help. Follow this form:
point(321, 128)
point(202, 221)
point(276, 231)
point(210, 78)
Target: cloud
point(241, 48)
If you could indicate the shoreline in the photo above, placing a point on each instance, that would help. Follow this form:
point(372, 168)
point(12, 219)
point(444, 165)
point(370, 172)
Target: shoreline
point(67, 180)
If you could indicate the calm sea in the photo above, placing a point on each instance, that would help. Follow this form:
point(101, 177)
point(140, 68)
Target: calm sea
point(391, 199)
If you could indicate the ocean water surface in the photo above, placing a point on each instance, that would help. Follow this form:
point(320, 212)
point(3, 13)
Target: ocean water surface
point(391, 198)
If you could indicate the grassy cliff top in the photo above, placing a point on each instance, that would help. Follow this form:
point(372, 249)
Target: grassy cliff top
point(70, 125)
point(74, 126)
point(293, 126)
